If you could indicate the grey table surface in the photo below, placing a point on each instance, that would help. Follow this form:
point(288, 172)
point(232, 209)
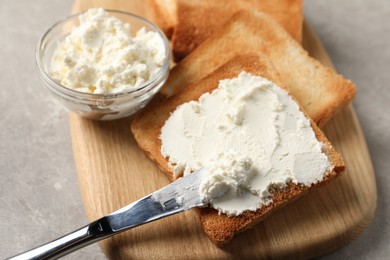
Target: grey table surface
point(39, 194)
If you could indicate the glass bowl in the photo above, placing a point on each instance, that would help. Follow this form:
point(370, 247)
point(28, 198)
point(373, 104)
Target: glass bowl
point(99, 106)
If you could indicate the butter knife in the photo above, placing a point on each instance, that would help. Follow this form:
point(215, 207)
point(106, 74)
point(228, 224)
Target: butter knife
point(179, 196)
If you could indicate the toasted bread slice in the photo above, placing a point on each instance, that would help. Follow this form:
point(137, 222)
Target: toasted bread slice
point(146, 128)
point(197, 20)
point(147, 124)
point(163, 14)
point(319, 89)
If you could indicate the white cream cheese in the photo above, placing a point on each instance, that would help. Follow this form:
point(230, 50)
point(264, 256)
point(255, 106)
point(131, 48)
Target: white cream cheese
point(227, 172)
point(227, 184)
point(256, 119)
point(100, 56)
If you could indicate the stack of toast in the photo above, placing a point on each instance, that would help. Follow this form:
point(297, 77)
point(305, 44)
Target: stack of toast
point(189, 23)
point(251, 37)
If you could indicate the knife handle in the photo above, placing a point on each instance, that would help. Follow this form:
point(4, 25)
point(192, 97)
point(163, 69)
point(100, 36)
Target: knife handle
point(73, 241)
point(159, 204)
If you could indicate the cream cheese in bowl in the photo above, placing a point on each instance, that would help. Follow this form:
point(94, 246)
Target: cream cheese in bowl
point(104, 64)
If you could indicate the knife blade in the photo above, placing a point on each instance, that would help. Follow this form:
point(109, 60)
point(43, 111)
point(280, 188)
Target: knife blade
point(179, 196)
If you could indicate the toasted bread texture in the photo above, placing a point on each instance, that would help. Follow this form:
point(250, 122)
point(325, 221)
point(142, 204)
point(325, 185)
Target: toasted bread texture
point(163, 14)
point(197, 20)
point(319, 89)
point(146, 128)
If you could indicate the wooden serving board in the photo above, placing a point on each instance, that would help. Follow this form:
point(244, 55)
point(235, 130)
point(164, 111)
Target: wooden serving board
point(113, 172)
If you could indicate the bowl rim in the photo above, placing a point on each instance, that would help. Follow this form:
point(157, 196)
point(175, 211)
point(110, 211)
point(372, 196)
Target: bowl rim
point(157, 77)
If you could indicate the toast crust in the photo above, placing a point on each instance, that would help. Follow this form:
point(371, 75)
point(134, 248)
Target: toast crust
point(319, 89)
point(197, 20)
point(146, 128)
point(163, 14)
